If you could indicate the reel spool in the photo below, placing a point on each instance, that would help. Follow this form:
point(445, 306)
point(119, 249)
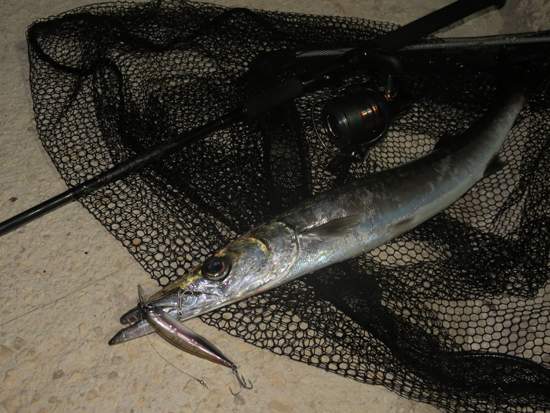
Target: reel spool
point(359, 119)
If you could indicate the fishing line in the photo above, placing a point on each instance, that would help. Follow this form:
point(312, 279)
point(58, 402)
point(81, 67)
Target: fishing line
point(181, 293)
point(83, 288)
point(57, 299)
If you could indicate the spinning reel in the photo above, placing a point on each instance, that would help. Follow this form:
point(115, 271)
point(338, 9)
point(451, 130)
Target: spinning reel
point(358, 119)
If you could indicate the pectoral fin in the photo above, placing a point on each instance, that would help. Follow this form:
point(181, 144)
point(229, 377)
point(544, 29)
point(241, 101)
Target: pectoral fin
point(334, 228)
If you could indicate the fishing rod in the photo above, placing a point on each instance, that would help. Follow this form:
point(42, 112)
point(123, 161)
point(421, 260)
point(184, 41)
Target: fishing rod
point(379, 52)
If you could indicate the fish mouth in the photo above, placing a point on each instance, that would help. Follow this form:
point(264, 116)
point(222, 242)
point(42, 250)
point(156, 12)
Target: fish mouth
point(179, 304)
point(171, 303)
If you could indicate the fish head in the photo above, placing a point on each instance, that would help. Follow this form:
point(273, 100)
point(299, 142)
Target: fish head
point(257, 261)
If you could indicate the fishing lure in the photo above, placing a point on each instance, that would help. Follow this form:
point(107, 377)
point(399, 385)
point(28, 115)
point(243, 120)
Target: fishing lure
point(182, 337)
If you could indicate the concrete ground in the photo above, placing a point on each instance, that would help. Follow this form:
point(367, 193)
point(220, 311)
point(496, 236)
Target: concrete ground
point(64, 280)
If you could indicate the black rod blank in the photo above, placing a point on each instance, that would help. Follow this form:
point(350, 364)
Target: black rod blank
point(254, 106)
point(117, 172)
point(431, 23)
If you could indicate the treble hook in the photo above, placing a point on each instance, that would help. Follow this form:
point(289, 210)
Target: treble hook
point(242, 383)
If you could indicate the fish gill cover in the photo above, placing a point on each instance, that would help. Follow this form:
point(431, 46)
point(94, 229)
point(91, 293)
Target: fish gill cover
point(454, 313)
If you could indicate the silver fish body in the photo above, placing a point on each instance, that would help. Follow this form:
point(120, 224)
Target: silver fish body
point(339, 224)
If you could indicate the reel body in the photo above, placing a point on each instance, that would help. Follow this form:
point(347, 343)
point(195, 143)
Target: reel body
point(359, 118)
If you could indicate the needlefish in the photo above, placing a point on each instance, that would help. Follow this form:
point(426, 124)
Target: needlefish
point(333, 226)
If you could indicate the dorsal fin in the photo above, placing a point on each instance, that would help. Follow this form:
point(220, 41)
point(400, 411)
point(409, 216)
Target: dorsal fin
point(142, 297)
point(494, 166)
point(445, 140)
point(334, 228)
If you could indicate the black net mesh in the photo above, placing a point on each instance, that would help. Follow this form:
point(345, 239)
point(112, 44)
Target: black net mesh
point(454, 313)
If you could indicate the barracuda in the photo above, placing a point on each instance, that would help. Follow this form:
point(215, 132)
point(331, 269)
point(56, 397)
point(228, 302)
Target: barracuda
point(338, 224)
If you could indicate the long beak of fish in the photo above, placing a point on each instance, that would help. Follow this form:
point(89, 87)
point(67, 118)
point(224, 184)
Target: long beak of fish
point(179, 335)
point(154, 316)
point(137, 325)
point(168, 303)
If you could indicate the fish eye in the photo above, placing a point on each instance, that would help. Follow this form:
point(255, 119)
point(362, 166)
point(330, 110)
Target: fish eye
point(215, 269)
